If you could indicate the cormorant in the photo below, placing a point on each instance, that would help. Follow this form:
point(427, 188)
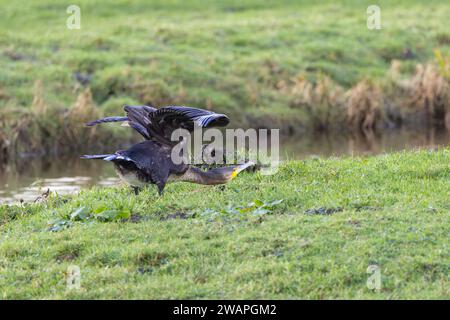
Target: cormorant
point(150, 161)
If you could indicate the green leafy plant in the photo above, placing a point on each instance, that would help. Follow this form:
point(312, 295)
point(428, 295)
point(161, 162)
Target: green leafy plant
point(112, 215)
point(59, 225)
point(83, 214)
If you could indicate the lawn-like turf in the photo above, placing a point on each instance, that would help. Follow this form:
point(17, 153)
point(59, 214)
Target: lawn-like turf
point(266, 64)
point(337, 217)
point(228, 55)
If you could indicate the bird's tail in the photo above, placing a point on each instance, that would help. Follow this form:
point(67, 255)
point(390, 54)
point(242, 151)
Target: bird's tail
point(108, 157)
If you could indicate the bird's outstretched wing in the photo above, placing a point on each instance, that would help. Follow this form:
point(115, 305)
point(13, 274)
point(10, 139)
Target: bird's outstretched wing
point(165, 120)
point(158, 124)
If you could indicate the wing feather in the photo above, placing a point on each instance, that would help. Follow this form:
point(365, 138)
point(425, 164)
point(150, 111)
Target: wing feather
point(105, 120)
point(201, 117)
point(158, 124)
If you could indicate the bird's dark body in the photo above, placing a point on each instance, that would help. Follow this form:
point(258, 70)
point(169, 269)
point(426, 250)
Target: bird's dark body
point(149, 163)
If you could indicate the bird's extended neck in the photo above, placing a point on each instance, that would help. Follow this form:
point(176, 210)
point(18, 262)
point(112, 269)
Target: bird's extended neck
point(213, 176)
point(196, 175)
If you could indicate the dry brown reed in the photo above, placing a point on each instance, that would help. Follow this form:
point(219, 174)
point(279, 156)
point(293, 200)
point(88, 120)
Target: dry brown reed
point(323, 101)
point(42, 129)
point(82, 111)
point(38, 105)
point(428, 94)
point(364, 106)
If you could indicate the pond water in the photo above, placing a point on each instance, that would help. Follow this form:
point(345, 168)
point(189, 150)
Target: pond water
point(28, 178)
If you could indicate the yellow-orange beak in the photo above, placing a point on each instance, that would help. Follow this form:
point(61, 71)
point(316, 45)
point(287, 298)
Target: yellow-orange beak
point(240, 168)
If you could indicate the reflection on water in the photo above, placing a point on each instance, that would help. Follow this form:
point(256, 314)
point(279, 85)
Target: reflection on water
point(327, 145)
point(29, 178)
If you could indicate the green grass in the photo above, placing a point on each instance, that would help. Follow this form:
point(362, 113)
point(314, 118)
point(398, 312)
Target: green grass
point(389, 210)
point(229, 55)
point(239, 58)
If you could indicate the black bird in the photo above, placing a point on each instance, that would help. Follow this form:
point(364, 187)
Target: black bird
point(150, 162)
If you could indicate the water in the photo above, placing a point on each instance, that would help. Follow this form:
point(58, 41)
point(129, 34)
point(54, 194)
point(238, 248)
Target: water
point(29, 178)
point(26, 180)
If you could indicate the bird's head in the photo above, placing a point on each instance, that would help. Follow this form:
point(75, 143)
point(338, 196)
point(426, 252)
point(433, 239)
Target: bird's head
point(238, 168)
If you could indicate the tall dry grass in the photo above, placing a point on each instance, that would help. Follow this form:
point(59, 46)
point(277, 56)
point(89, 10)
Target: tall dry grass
point(364, 106)
point(4, 143)
point(83, 110)
point(323, 101)
point(418, 100)
point(422, 99)
point(429, 95)
point(43, 129)
point(21, 127)
point(38, 105)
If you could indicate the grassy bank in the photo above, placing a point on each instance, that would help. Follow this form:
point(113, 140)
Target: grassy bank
point(311, 231)
point(299, 65)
